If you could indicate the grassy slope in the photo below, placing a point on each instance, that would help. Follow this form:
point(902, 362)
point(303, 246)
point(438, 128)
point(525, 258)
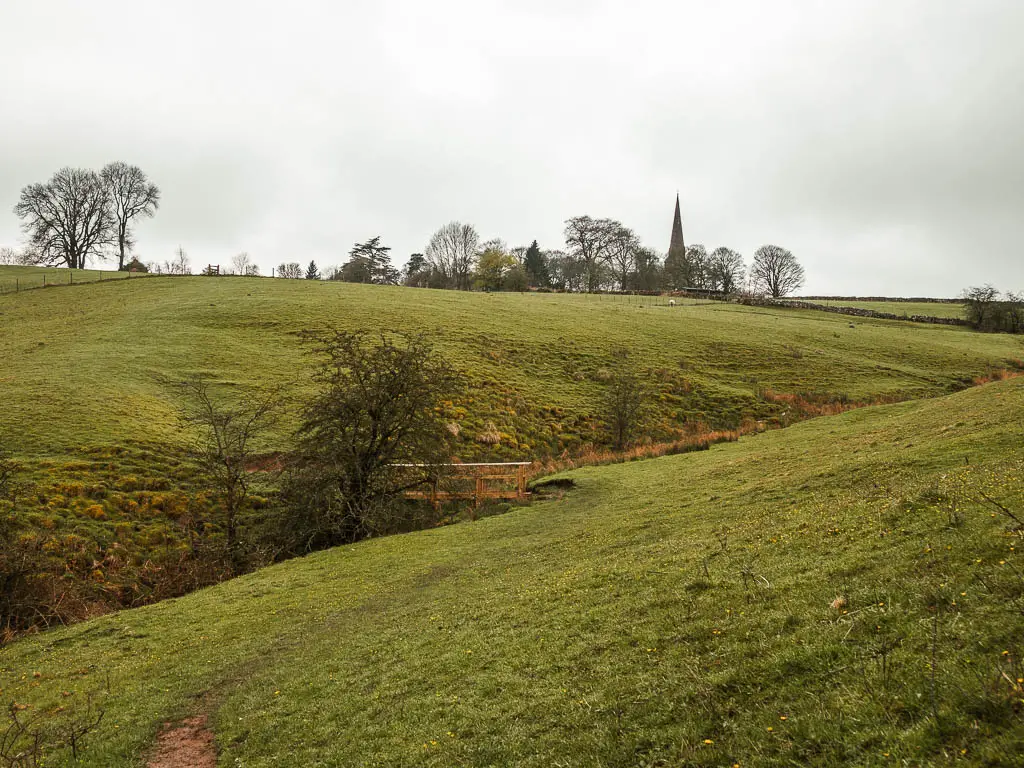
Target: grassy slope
point(924, 308)
point(24, 278)
point(630, 623)
point(80, 365)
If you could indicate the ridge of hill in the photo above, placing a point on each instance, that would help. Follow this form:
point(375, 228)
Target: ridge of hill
point(838, 592)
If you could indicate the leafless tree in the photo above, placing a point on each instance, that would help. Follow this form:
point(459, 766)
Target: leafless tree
point(622, 248)
point(69, 219)
point(223, 446)
point(240, 263)
point(725, 270)
point(132, 195)
point(775, 271)
point(987, 311)
point(624, 401)
point(8, 256)
point(291, 271)
point(453, 251)
point(180, 265)
point(590, 241)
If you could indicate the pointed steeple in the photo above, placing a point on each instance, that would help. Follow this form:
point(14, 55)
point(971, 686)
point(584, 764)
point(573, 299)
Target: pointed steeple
point(677, 246)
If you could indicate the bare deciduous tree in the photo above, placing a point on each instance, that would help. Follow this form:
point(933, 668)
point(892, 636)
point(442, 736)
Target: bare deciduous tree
point(131, 195)
point(223, 447)
point(68, 219)
point(622, 249)
point(452, 251)
point(241, 263)
point(775, 271)
point(590, 241)
point(624, 401)
point(179, 265)
point(987, 311)
point(725, 270)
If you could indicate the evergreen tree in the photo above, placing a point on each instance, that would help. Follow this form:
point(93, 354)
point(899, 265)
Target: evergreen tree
point(536, 267)
point(371, 263)
point(312, 273)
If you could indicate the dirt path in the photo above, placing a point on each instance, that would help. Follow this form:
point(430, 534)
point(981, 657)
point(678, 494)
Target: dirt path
point(188, 744)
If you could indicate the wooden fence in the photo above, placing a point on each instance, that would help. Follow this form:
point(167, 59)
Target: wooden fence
point(473, 482)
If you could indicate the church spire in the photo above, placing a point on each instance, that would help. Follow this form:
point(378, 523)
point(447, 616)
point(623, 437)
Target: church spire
point(676, 245)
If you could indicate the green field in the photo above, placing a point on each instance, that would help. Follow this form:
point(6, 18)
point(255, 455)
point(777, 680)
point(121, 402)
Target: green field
point(86, 366)
point(908, 308)
point(667, 612)
point(14, 279)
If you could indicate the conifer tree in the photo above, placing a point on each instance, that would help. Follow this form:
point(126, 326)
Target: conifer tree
point(312, 273)
point(536, 267)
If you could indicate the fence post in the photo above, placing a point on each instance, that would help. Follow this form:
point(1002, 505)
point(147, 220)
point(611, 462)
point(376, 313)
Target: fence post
point(521, 480)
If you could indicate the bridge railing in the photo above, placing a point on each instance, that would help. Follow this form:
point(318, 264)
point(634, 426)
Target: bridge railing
point(475, 482)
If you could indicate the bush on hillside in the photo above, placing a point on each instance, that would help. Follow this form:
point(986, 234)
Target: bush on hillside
point(376, 427)
point(624, 401)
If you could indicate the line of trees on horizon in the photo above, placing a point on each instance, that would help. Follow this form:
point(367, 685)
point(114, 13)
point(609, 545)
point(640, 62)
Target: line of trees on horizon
point(599, 255)
point(81, 215)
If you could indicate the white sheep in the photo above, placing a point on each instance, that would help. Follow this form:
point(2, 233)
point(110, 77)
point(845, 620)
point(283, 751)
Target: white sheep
point(671, 302)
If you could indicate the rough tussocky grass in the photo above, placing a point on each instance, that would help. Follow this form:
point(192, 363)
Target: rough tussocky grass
point(677, 611)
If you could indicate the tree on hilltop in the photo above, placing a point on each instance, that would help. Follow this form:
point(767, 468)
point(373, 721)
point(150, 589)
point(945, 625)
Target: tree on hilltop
point(590, 242)
point(132, 195)
point(369, 262)
point(775, 271)
point(622, 248)
point(452, 252)
point(69, 219)
point(536, 266)
point(416, 272)
point(312, 273)
point(647, 270)
point(493, 264)
point(725, 270)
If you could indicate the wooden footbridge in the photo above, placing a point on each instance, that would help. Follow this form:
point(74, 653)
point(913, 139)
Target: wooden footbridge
point(471, 482)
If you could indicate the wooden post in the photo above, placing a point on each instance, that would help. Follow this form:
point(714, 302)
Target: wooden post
point(521, 480)
point(479, 490)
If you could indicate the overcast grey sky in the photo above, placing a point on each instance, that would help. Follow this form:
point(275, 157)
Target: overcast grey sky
point(881, 141)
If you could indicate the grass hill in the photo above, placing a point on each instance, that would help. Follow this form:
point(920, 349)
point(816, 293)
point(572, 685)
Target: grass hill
point(902, 308)
point(838, 592)
point(85, 405)
point(14, 279)
point(81, 366)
